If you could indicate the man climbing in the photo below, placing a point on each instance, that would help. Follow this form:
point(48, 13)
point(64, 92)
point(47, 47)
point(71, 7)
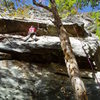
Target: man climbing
point(31, 34)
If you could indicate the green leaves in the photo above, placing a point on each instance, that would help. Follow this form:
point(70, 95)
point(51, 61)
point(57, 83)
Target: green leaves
point(82, 3)
point(96, 16)
point(66, 7)
point(8, 4)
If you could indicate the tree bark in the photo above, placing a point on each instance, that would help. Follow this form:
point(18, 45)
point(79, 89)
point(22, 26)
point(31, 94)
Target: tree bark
point(70, 61)
point(72, 66)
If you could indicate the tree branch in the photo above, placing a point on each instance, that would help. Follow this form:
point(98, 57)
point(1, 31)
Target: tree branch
point(41, 5)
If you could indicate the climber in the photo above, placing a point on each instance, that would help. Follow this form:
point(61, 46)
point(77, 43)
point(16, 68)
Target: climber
point(31, 34)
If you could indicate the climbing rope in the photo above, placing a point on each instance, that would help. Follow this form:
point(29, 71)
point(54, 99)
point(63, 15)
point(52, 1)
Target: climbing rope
point(91, 65)
point(88, 58)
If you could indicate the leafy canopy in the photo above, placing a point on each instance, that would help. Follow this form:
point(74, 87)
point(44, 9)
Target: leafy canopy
point(9, 4)
point(96, 16)
point(83, 3)
point(66, 7)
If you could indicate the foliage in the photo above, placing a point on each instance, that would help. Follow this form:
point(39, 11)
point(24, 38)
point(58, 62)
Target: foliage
point(8, 4)
point(70, 7)
point(21, 12)
point(66, 7)
point(20, 3)
point(83, 3)
point(96, 16)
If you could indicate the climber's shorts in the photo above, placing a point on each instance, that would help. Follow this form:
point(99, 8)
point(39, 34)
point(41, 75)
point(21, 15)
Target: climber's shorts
point(31, 34)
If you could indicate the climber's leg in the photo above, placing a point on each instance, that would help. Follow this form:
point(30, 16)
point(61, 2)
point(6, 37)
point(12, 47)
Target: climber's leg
point(28, 36)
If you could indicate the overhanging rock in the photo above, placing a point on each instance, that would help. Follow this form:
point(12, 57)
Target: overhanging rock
point(45, 27)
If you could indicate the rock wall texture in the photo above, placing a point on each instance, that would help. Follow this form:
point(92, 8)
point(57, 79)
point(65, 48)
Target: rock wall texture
point(35, 70)
point(47, 49)
point(75, 25)
point(44, 27)
point(30, 81)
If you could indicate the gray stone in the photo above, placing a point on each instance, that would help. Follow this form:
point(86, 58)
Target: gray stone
point(38, 82)
point(42, 18)
point(21, 80)
point(21, 25)
point(17, 44)
point(48, 49)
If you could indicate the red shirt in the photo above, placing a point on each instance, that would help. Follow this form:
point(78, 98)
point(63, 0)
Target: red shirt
point(32, 30)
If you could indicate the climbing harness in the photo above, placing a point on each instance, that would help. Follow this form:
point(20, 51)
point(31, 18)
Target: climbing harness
point(88, 58)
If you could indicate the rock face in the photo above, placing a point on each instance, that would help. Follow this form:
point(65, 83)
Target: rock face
point(47, 49)
point(29, 81)
point(82, 20)
point(97, 56)
point(42, 21)
point(35, 70)
point(44, 27)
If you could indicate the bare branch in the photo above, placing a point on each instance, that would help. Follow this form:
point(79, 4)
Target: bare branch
point(41, 5)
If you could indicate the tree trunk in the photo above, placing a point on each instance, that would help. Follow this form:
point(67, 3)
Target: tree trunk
point(70, 61)
point(71, 64)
